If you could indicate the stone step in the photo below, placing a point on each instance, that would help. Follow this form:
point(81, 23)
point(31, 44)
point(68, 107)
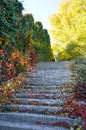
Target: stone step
point(29, 101)
point(43, 87)
point(8, 125)
point(34, 118)
point(47, 82)
point(33, 109)
point(41, 96)
point(51, 73)
point(44, 91)
point(52, 78)
point(53, 65)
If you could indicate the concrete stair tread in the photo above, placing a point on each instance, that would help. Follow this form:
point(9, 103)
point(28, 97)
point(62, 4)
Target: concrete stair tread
point(26, 126)
point(45, 91)
point(32, 108)
point(41, 96)
point(39, 101)
point(34, 118)
point(43, 87)
point(47, 83)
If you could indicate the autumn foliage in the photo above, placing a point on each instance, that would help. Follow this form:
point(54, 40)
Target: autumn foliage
point(68, 30)
point(20, 42)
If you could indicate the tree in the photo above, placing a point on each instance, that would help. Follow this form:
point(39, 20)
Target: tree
point(69, 26)
point(10, 16)
point(27, 31)
point(46, 51)
point(41, 36)
point(11, 59)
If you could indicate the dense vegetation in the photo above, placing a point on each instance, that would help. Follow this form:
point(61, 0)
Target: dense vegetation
point(79, 70)
point(78, 99)
point(68, 29)
point(23, 42)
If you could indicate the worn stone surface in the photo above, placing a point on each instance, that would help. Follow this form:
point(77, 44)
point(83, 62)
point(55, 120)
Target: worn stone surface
point(42, 95)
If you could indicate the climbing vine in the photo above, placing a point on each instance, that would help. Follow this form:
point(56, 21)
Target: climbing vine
point(20, 41)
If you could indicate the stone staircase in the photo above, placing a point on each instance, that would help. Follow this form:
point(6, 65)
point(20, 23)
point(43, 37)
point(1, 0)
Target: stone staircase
point(37, 103)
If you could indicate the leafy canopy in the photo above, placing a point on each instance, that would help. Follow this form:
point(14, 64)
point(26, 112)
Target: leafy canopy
point(68, 26)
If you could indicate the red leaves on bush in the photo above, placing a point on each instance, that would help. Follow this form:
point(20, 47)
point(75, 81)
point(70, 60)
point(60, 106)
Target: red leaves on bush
point(80, 89)
point(9, 94)
point(84, 125)
point(39, 123)
point(77, 109)
point(59, 123)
